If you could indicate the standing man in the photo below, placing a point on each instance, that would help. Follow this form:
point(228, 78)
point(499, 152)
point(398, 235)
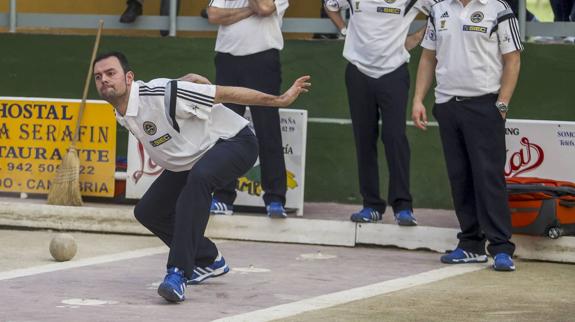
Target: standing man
point(248, 54)
point(473, 46)
point(202, 145)
point(377, 83)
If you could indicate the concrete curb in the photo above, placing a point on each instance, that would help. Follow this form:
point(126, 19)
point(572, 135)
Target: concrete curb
point(120, 219)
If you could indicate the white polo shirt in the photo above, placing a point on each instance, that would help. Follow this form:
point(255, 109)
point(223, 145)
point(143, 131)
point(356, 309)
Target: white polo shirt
point(251, 35)
point(177, 132)
point(469, 43)
point(376, 33)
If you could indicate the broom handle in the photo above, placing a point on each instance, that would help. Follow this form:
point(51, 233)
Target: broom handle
point(87, 84)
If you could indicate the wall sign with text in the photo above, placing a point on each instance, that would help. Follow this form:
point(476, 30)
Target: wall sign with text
point(35, 133)
point(544, 149)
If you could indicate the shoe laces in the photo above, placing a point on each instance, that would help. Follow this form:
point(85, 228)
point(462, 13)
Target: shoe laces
point(175, 276)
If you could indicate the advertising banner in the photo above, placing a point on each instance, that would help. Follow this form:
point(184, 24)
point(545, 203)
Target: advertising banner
point(142, 171)
point(35, 134)
point(544, 149)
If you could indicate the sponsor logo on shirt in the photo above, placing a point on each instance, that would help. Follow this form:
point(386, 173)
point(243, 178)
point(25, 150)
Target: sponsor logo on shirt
point(150, 128)
point(394, 11)
point(161, 140)
point(445, 15)
point(390, 1)
point(477, 17)
point(475, 28)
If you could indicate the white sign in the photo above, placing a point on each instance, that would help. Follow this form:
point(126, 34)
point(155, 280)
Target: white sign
point(544, 149)
point(142, 171)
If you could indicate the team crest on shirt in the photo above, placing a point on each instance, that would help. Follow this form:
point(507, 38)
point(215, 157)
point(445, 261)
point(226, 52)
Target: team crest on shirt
point(150, 128)
point(442, 24)
point(477, 17)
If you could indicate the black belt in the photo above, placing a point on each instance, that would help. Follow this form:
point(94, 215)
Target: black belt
point(474, 98)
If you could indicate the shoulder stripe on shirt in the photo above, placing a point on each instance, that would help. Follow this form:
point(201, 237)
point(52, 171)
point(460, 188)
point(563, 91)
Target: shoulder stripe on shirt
point(199, 95)
point(515, 33)
point(504, 4)
point(173, 100)
point(410, 5)
point(193, 98)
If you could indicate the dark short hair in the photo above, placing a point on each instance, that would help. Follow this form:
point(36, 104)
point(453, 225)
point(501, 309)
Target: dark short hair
point(121, 57)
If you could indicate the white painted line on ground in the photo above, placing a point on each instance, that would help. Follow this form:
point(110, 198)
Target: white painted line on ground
point(348, 121)
point(81, 263)
point(360, 293)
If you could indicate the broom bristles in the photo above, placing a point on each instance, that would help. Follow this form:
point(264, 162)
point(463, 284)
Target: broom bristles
point(65, 188)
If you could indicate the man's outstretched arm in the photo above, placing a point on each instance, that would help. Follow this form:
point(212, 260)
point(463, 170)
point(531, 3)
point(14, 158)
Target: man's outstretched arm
point(246, 96)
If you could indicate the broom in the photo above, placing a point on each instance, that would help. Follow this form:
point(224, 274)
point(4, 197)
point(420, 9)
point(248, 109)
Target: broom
point(65, 188)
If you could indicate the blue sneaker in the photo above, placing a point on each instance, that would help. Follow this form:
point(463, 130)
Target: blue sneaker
point(220, 208)
point(405, 218)
point(459, 256)
point(503, 262)
point(366, 215)
point(276, 210)
point(174, 286)
point(217, 268)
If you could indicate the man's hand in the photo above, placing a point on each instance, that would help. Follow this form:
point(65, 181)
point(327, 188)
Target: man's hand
point(419, 115)
point(262, 8)
point(301, 85)
point(195, 78)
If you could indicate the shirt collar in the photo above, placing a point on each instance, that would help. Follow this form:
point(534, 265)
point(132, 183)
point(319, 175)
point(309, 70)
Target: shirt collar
point(133, 100)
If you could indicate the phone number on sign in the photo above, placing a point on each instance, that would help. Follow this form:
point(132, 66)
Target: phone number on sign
point(29, 167)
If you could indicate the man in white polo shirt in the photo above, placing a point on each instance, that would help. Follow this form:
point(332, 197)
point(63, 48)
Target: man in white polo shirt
point(202, 145)
point(473, 46)
point(247, 54)
point(377, 83)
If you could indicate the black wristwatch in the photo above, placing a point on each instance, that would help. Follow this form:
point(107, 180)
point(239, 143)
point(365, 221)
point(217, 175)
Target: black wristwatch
point(502, 107)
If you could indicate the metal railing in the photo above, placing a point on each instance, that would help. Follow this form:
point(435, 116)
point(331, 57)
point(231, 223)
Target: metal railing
point(13, 20)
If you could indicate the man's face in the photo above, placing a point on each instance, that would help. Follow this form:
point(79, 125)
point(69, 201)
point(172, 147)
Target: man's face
point(111, 81)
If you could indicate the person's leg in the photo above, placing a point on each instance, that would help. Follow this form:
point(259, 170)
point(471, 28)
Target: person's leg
point(471, 239)
point(262, 72)
point(133, 10)
point(559, 10)
point(485, 138)
point(391, 92)
point(224, 162)
point(227, 74)
point(156, 209)
point(364, 118)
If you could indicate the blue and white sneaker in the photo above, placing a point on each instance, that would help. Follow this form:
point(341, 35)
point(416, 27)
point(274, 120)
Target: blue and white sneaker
point(366, 215)
point(217, 268)
point(459, 256)
point(276, 210)
point(221, 208)
point(173, 287)
point(503, 262)
point(405, 218)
